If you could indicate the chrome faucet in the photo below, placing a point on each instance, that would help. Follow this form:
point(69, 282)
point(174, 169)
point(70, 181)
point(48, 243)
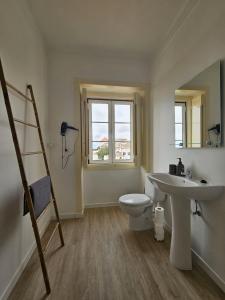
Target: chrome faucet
point(189, 173)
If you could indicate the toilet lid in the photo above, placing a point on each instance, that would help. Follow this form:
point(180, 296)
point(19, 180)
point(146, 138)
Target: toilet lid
point(135, 199)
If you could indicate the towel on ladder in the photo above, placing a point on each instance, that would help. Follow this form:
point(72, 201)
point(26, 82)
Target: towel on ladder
point(40, 193)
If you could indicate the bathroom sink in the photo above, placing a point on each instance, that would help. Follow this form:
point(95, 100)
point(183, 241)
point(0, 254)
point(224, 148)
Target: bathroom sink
point(187, 188)
point(182, 190)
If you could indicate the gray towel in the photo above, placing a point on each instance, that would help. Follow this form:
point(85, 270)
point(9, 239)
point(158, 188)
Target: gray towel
point(41, 194)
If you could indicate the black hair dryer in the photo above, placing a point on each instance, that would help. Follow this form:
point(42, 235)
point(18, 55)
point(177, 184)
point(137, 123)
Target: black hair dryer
point(215, 129)
point(65, 127)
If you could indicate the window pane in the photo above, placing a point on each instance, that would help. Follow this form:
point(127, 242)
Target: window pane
point(100, 151)
point(178, 132)
point(122, 132)
point(122, 150)
point(100, 132)
point(99, 112)
point(178, 114)
point(122, 113)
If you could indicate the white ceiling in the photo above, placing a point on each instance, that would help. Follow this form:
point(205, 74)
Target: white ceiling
point(126, 28)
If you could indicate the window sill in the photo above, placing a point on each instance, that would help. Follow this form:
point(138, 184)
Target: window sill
point(119, 166)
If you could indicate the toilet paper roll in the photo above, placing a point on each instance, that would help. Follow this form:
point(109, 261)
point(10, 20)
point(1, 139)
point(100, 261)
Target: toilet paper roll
point(159, 232)
point(159, 215)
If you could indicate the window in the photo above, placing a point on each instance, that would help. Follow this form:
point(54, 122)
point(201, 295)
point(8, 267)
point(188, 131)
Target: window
point(110, 131)
point(180, 124)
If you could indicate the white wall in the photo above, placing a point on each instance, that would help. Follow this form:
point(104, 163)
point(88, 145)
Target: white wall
point(105, 187)
point(196, 45)
point(64, 70)
point(24, 61)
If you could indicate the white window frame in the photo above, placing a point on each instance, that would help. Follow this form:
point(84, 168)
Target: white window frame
point(111, 130)
point(131, 103)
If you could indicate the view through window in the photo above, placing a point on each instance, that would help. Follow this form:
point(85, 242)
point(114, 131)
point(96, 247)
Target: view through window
point(110, 131)
point(180, 122)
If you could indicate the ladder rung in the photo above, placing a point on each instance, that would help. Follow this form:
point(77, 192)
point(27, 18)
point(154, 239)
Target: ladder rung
point(31, 153)
point(25, 123)
point(50, 238)
point(18, 92)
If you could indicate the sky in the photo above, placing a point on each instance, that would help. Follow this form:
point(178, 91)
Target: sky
point(100, 113)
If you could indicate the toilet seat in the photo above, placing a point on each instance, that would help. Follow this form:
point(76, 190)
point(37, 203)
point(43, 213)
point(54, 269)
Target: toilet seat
point(135, 199)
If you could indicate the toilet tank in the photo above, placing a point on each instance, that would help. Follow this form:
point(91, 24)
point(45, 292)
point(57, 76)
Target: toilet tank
point(152, 191)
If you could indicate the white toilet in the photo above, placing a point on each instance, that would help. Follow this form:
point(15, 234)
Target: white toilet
point(139, 207)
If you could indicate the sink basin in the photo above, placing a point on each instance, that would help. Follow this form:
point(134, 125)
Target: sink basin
point(181, 186)
point(182, 190)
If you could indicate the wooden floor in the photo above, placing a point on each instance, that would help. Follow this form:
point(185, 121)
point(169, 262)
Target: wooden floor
point(103, 260)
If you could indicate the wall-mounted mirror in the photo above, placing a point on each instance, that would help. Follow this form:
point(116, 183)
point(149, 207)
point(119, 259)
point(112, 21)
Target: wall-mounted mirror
point(198, 110)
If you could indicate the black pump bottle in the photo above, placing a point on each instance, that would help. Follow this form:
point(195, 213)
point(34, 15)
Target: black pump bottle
point(180, 168)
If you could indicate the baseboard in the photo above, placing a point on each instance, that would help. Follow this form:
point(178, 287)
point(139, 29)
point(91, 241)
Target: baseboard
point(108, 204)
point(199, 261)
point(212, 274)
point(21, 268)
point(81, 214)
point(18, 273)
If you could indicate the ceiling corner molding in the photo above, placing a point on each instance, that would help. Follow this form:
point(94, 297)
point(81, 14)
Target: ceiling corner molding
point(182, 16)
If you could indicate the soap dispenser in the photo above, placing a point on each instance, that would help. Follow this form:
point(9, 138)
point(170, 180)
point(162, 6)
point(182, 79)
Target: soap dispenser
point(180, 168)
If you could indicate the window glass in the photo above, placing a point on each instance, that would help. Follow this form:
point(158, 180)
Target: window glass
point(122, 132)
point(122, 113)
point(122, 150)
point(178, 114)
point(180, 130)
point(99, 112)
point(100, 151)
point(100, 132)
point(110, 131)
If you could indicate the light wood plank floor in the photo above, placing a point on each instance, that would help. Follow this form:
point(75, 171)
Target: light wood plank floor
point(103, 260)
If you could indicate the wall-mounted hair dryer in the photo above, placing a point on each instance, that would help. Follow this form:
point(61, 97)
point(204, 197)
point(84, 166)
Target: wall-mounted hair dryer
point(215, 128)
point(66, 152)
point(212, 132)
point(65, 127)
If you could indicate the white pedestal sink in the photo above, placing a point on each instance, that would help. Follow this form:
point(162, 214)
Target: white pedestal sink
point(182, 190)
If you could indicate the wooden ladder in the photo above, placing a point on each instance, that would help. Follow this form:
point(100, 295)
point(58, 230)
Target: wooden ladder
point(5, 85)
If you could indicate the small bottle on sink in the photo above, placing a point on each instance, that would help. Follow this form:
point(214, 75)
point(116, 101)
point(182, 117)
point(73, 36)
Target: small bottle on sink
point(180, 168)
